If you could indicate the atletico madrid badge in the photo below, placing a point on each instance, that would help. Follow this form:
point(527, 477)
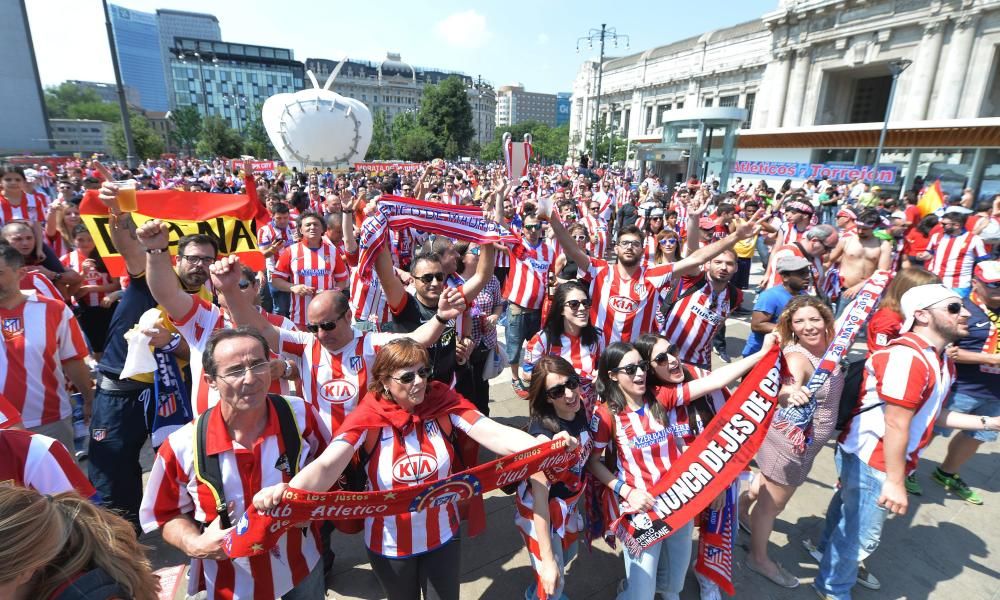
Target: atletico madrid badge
point(98, 435)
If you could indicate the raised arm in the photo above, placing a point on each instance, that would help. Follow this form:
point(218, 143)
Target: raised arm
point(692, 262)
point(386, 273)
point(226, 275)
point(722, 376)
point(154, 236)
point(569, 247)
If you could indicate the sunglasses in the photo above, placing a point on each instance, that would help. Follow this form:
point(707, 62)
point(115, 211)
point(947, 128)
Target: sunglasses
point(660, 358)
point(325, 325)
point(579, 238)
point(992, 285)
point(574, 305)
point(532, 227)
point(668, 242)
point(411, 376)
point(474, 251)
point(631, 369)
point(558, 391)
point(953, 308)
point(244, 284)
point(199, 260)
point(426, 278)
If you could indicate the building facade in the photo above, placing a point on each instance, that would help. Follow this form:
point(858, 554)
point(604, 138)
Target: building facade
point(395, 87)
point(814, 77)
point(23, 119)
point(230, 80)
point(173, 24)
point(515, 105)
point(84, 136)
point(137, 41)
point(564, 102)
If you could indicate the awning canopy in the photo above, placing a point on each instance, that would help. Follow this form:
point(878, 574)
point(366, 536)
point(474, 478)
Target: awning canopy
point(953, 133)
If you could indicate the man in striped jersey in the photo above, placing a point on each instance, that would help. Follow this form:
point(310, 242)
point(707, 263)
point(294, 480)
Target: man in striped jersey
point(954, 252)
point(903, 389)
point(308, 267)
point(526, 286)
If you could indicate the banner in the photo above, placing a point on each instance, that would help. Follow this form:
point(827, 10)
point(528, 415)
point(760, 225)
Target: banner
point(258, 166)
point(796, 421)
point(383, 167)
point(516, 155)
point(226, 217)
point(257, 532)
point(817, 171)
point(396, 213)
point(931, 200)
point(712, 462)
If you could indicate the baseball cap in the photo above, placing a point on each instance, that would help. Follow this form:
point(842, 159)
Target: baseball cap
point(921, 297)
point(786, 264)
point(656, 213)
point(706, 223)
point(988, 271)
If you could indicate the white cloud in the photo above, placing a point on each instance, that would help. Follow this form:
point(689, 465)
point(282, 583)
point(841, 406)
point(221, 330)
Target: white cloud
point(464, 29)
point(543, 38)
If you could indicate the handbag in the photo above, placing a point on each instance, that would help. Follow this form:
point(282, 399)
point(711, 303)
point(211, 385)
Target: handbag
point(496, 362)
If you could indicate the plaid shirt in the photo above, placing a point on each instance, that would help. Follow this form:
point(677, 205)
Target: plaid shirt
point(486, 302)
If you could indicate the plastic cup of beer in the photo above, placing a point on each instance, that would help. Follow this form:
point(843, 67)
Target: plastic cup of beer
point(126, 195)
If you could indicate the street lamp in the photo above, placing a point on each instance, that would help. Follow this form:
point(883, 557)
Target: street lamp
point(599, 35)
point(236, 100)
point(481, 90)
point(896, 67)
point(201, 74)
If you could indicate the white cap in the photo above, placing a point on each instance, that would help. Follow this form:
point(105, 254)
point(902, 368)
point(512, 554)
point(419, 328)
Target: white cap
point(921, 297)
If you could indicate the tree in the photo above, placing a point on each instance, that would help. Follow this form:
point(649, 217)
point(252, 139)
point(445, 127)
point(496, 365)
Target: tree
point(186, 126)
point(60, 98)
point(148, 143)
point(218, 139)
point(446, 113)
point(98, 111)
point(416, 144)
point(381, 146)
point(257, 142)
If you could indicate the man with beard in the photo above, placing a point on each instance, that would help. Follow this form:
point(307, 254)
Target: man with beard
point(796, 273)
point(122, 408)
point(903, 389)
point(625, 297)
point(860, 255)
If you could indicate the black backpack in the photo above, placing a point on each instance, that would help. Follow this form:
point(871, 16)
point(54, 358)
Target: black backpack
point(208, 471)
point(851, 396)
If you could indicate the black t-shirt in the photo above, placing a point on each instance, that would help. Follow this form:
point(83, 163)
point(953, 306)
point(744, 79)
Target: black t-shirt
point(413, 315)
point(575, 427)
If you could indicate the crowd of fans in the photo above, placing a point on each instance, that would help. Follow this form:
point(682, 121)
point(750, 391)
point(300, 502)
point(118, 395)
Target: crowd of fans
point(604, 316)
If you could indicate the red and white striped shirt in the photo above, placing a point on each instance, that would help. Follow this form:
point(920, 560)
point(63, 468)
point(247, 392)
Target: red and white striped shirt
point(597, 228)
point(582, 356)
point(528, 278)
point(270, 234)
point(59, 244)
point(31, 362)
point(174, 490)
point(9, 416)
point(320, 268)
point(40, 285)
point(623, 307)
point(399, 460)
point(646, 447)
point(954, 256)
point(86, 267)
point(908, 373)
point(40, 463)
point(368, 301)
point(694, 319)
point(33, 207)
point(333, 382)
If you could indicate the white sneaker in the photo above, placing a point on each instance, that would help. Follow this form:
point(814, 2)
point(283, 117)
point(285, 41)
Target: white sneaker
point(708, 588)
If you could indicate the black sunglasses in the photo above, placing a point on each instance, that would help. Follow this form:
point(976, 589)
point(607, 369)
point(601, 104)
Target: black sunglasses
point(660, 358)
point(575, 305)
point(558, 391)
point(428, 277)
point(631, 369)
point(244, 284)
point(411, 376)
point(325, 325)
point(953, 308)
point(533, 227)
point(993, 285)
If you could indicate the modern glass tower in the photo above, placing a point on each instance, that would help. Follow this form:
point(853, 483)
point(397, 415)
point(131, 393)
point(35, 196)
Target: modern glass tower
point(137, 38)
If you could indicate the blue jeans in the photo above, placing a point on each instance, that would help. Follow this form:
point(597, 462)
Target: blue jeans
point(282, 301)
point(521, 327)
point(828, 215)
point(661, 568)
point(853, 525)
point(763, 251)
point(313, 587)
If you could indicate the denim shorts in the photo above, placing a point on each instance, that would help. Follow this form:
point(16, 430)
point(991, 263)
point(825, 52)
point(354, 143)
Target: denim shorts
point(970, 405)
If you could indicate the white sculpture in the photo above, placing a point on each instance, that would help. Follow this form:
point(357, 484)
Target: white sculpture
point(318, 127)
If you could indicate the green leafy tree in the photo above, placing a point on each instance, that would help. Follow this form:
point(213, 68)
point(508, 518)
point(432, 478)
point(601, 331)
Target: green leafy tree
point(186, 122)
point(60, 98)
point(257, 143)
point(218, 139)
point(98, 111)
point(381, 146)
point(446, 113)
point(148, 143)
point(416, 144)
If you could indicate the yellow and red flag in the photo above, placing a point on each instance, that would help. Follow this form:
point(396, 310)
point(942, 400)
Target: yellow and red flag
point(229, 218)
point(931, 200)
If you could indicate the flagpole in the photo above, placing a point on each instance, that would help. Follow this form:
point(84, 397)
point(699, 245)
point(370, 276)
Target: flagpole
point(896, 67)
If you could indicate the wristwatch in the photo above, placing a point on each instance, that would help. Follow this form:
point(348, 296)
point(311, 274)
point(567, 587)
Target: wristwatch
point(985, 422)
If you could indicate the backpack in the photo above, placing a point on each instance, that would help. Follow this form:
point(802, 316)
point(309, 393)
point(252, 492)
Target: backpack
point(96, 584)
point(209, 472)
point(675, 294)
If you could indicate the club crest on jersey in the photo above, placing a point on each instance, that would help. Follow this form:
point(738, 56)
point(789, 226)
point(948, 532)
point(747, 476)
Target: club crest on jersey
point(623, 304)
point(13, 327)
point(414, 468)
point(355, 363)
point(282, 464)
point(447, 491)
point(338, 391)
point(98, 435)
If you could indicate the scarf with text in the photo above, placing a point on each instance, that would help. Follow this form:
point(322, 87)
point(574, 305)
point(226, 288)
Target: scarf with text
point(796, 421)
point(170, 398)
point(711, 463)
point(394, 213)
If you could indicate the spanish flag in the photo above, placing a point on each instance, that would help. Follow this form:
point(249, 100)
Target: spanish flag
point(229, 218)
point(931, 200)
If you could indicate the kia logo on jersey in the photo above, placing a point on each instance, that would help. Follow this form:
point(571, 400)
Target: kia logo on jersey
point(623, 304)
point(338, 391)
point(414, 468)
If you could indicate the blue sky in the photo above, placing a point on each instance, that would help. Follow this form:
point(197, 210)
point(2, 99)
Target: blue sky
point(533, 43)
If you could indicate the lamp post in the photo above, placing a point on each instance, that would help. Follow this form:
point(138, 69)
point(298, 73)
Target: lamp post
point(201, 75)
point(236, 100)
point(896, 67)
point(481, 88)
point(130, 157)
point(600, 35)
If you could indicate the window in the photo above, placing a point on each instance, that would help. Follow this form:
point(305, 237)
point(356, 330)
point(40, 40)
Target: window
point(708, 102)
point(871, 97)
point(728, 101)
point(751, 99)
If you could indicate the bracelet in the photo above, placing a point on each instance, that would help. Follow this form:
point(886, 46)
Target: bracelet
point(619, 484)
point(982, 420)
point(440, 320)
point(288, 369)
point(175, 341)
point(156, 250)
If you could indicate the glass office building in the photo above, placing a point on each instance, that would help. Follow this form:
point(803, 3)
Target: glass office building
point(230, 80)
point(137, 39)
